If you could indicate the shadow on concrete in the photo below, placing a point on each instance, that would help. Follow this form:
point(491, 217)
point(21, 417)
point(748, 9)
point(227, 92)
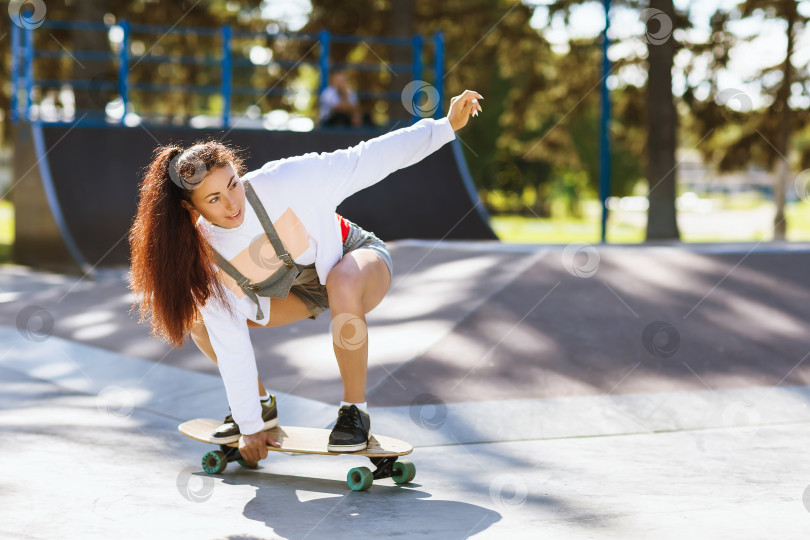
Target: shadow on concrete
point(338, 512)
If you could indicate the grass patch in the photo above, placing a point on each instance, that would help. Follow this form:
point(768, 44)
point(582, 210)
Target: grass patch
point(734, 222)
point(798, 220)
point(523, 230)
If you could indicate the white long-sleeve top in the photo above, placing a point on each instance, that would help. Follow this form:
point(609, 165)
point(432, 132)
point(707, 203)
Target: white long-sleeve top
point(300, 195)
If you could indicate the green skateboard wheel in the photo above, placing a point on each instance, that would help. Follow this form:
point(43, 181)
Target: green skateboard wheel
point(404, 471)
point(360, 478)
point(214, 462)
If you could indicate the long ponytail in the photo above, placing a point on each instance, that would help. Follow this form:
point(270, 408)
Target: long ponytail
point(172, 269)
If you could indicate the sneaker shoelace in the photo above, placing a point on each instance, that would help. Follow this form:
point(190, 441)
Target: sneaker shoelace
point(347, 420)
point(229, 418)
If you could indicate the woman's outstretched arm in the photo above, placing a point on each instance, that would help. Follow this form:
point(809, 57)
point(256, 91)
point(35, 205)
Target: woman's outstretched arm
point(332, 177)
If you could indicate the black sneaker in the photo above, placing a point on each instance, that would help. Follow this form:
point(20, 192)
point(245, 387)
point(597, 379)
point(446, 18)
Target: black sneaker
point(351, 430)
point(228, 432)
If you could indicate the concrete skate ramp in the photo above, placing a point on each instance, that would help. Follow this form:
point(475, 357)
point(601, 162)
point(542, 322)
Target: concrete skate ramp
point(474, 322)
point(76, 189)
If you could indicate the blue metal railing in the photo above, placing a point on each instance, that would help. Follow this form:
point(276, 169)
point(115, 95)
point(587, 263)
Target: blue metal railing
point(123, 69)
point(23, 56)
point(15, 39)
point(325, 38)
point(226, 75)
point(29, 69)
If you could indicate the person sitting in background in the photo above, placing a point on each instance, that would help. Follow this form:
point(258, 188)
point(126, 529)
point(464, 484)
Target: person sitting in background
point(339, 105)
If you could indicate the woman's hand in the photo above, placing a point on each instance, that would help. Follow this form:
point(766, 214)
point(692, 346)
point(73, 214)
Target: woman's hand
point(462, 106)
point(253, 447)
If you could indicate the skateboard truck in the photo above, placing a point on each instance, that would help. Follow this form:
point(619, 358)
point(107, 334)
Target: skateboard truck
point(358, 479)
point(384, 467)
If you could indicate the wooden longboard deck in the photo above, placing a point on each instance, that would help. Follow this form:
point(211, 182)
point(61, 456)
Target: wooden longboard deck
point(302, 440)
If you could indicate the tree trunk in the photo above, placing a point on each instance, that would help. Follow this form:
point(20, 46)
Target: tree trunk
point(662, 139)
point(783, 96)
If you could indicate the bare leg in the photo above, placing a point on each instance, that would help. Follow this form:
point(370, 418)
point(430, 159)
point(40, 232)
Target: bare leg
point(282, 311)
point(356, 285)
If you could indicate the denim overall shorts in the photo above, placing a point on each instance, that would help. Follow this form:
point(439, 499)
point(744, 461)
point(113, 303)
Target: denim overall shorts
point(301, 280)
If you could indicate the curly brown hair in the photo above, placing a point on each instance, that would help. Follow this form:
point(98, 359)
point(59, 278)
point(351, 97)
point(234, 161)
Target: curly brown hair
point(172, 268)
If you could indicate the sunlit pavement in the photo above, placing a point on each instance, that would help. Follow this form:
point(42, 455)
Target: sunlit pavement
point(551, 392)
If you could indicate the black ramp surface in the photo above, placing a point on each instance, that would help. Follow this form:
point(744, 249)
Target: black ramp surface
point(95, 174)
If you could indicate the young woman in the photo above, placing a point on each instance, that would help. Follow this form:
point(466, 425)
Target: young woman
point(215, 252)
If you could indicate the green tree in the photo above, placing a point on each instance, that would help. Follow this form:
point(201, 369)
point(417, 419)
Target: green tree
point(661, 117)
point(738, 135)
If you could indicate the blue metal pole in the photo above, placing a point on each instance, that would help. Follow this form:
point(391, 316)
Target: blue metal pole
point(29, 70)
point(324, 38)
point(438, 72)
point(15, 78)
point(123, 70)
point(226, 75)
point(604, 169)
point(416, 67)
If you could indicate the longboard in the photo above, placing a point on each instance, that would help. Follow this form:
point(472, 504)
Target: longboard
point(382, 451)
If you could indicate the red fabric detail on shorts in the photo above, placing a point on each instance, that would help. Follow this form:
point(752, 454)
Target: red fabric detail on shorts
point(344, 226)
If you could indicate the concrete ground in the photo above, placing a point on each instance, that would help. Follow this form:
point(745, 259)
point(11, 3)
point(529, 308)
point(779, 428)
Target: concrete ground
point(551, 392)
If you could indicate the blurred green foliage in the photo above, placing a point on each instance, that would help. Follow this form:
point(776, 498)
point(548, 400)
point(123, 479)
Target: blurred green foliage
point(6, 230)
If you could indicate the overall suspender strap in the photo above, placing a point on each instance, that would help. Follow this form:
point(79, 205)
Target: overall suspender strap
point(244, 283)
point(267, 225)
